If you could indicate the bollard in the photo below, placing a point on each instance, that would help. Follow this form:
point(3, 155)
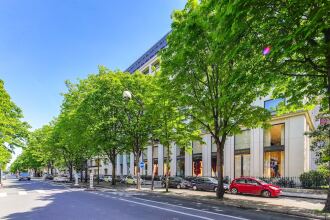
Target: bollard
point(91, 181)
point(76, 180)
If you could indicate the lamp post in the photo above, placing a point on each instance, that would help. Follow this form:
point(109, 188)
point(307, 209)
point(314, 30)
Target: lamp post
point(128, 95)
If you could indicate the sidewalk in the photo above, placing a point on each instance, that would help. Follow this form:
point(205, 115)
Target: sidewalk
point(291, 203)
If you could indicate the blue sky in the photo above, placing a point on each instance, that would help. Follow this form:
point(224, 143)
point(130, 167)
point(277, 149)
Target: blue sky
point(45, 42)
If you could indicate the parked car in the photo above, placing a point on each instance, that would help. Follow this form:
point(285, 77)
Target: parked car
point(24, 176)
point(48, 177)
point(176, 182)
point(207, 183)
point(131, 180)
point(249, 185)
point(107, 178)
point(62, 178)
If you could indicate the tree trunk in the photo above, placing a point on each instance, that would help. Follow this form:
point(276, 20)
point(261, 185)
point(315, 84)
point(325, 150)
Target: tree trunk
point(220, 146)
point(152, 166)
point(167, 167)
point(98, 171)
point(113, 180)
point(70, 172)
point(86, 171)
point(138, 181)
point(0, 176)
point(327, 55)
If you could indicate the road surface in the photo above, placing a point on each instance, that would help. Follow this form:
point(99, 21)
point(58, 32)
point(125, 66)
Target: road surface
point(37, 199)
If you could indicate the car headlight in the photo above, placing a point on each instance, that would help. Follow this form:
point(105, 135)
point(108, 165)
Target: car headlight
point(273, 188)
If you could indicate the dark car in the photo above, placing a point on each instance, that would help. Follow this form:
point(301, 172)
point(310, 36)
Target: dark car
point(48, 177)
point(24, 176)
point(176, 182)
point(207, 184)
point(250, 185)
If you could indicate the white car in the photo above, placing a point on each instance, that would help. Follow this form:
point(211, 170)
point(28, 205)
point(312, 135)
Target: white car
point(61, 179)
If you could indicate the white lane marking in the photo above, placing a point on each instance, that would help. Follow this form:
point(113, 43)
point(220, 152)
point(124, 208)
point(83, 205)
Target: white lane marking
point(3, 194)
point(22, 193)
point(169, 210)
point(40, 191)
point(214, 213)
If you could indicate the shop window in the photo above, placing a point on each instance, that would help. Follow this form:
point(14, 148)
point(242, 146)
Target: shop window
point(274, 151)
point(197, 167)
point(155, 163)
point(274, 136)
point(180, 161)
point(242, 154)
point(105, 171)
point(180, 166)
point(274, 164)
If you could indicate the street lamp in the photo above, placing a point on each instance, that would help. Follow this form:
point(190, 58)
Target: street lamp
point(128, 95)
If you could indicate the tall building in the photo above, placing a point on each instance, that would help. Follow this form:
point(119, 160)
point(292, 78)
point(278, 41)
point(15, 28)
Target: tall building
point(280, 151)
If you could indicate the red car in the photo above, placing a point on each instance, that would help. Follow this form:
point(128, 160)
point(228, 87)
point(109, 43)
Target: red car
point(250, 185)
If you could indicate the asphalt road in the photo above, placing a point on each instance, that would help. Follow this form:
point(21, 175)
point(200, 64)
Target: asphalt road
point(41, 200)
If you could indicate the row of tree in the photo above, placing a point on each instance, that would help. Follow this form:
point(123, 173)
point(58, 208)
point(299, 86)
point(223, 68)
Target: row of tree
point(13, 130)
point(221, 57)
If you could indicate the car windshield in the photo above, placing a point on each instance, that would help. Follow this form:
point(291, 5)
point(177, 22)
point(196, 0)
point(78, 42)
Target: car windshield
point(261, 182)
point(213, 180)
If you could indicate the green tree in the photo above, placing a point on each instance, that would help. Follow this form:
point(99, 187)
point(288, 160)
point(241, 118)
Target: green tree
point(13, 130)
point(170, 125)
point(214, 86)
point(103, 108)
point(297, 34)
point(138, 125)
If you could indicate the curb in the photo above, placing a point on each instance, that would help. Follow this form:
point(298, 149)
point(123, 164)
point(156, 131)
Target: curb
point(215, 202)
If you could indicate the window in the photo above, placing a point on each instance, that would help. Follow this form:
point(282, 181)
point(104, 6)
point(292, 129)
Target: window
point(252, 182)
point(105, 171)
point(240, 181)
point(156, 65)
point(242, 140)
point(180, 161)
point(166, 151)
point(146, 71)
point(197, 147)
point(242, 154)
point(155, 152)
point(105, 162)
point(272, 105)
point(274, 151)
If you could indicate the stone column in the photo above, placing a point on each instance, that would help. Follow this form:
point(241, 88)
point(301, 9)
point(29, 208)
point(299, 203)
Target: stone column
point(131, 169)
point(173, 159)
point(160, 160)
point(188, 164)
point(149, 154)
point(206, 155)
point(124, 164)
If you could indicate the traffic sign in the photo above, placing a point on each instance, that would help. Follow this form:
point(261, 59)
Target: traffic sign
point(141, 165)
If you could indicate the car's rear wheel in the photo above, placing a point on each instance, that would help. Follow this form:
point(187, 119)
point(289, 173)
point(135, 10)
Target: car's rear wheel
point(234, 191)
point(178, 186)
point(194, 188)
point(266, 193)
point(163, 185)
point(215, 189)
